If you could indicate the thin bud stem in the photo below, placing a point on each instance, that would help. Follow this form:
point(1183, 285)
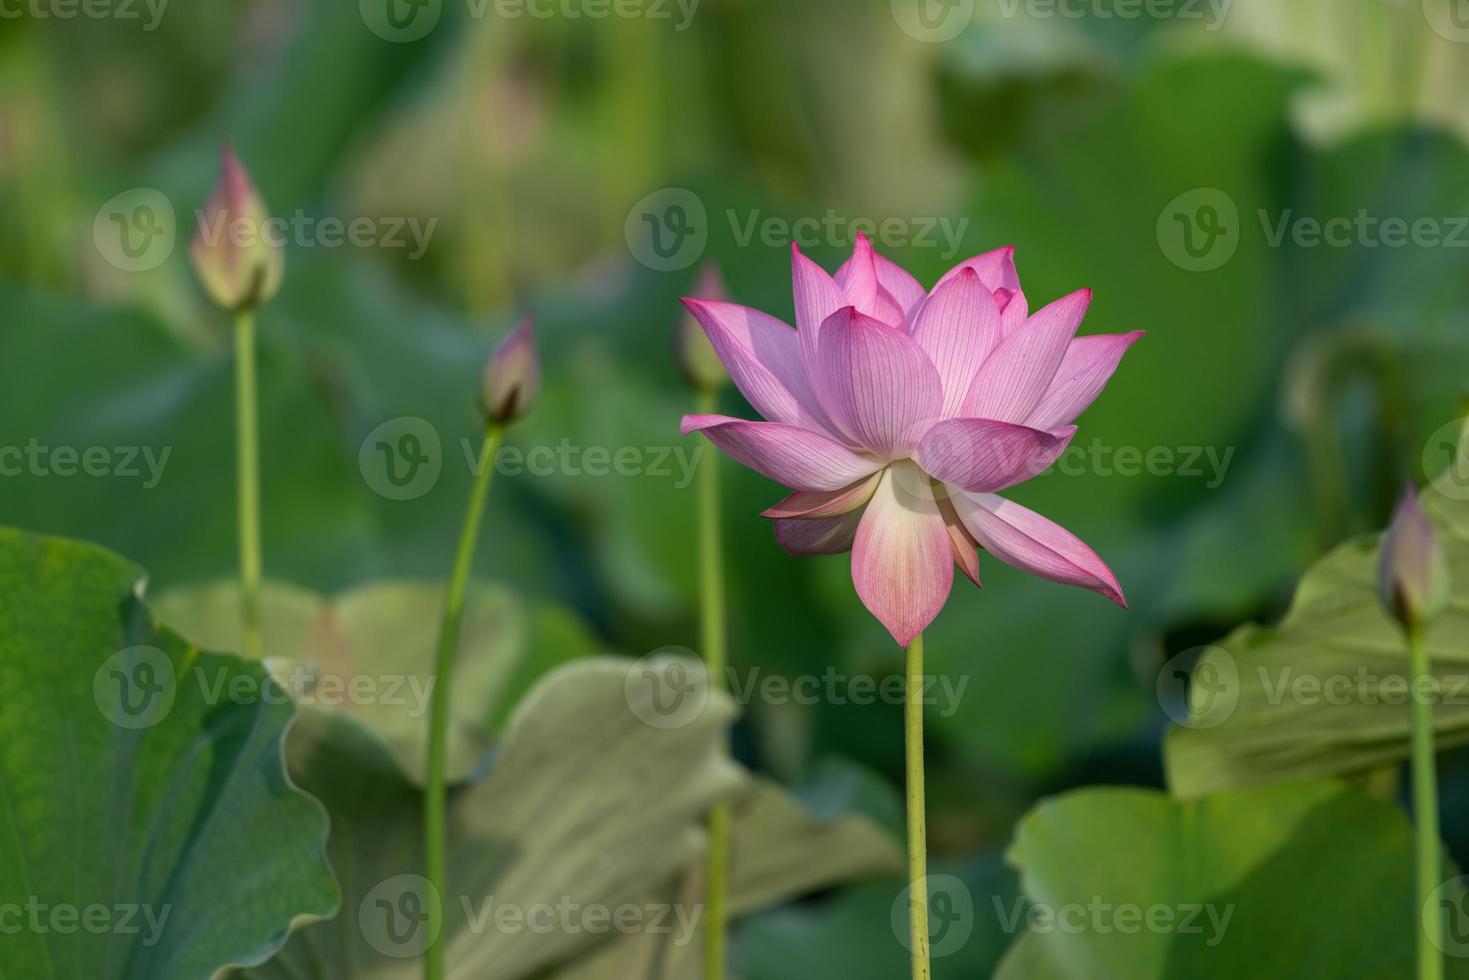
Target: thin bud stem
point(434, 847)
point(247, 475)
point(714, 638)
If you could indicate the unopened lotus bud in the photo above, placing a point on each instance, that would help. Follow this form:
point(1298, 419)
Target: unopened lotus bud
point(696, 357)
point(512, 377)
point(239, 259)
point(1412, 573)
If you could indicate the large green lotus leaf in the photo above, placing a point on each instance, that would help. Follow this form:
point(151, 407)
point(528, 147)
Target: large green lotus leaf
point(370, 651)
point(778, 851)
point(147, 813)
point(587, 806)
point(1325, 691)
point(1255, 883)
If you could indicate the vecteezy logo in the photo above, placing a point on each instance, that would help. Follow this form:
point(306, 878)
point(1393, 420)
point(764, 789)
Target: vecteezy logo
point(1199, 230)
point(950, 915)
point(400, 20)
point(394, 916)
point(1449, 903)
point(1446, 459)
point(933, 21)
point(1199, 688)
point(135, 688)
point(668, 688)
point(402, 458)
point(135, 231)
point(667, 230)
point(1448, 18)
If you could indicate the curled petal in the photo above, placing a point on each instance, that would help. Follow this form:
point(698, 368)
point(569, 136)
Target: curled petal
point(818, 536)
point(817, 297)
point(1012, 380)
point(984, 455)
point(1021, 537)
point(1013, 310)
point(957, 326)
point(763, 356)
point(902, 561)
point(859, 279)
point(876, 383)
point(798, 458)
point(996, 269)
point(906, 292)
point(812, 505)
point(1084, 371)
point(961, 542)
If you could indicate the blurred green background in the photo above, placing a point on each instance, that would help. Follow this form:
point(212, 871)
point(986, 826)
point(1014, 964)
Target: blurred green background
point(1171, 157)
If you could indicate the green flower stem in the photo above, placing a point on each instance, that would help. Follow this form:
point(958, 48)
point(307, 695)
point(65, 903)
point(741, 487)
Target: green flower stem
point(917, 826)
point(247, 476)
point(435, 855)
point(713, 638)
point(1425, 808)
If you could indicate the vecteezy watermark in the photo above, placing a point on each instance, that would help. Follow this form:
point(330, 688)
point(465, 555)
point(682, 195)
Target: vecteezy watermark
point(950, 915)
point(137, 230)
point(1446, 459)
point(403, 21)
point(403, 458)
point(1207, 463)
point(1200, 687)
point(41, 918)
point(939, 691)
point(668, 688)
point(670, 694)
point(1450, 903)
point(394, 917)
point(138, 687)
point(669, 230)
point(1100, 917)
point(1211, 12)
point(838, 230)
point(308, 231)
point(143, 463)
point(933, 21)
point(1449, 19)
point(1200, 230)
point(148, 12)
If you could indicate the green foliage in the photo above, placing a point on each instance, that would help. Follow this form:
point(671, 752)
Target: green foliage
point(149, 825)
point(1125, 882)
point(1327, 690)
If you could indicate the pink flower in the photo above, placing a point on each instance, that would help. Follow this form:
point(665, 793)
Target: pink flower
point(896, 416)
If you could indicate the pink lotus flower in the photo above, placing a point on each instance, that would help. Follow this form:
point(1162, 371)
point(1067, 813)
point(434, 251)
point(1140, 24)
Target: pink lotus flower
point(897, 415)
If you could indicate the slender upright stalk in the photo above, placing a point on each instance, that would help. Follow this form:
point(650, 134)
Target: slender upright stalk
point(1425, 808)
point(438, 739)
point(713, 638)
point(917, 825)
point(247, 476)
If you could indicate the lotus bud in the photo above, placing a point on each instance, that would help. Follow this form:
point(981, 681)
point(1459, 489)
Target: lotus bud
point(1412, 573)
point(696, 357)
point(233, 251)
point(512, 377)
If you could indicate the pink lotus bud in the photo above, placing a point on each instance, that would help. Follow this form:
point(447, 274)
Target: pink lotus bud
point(696, 357)
point(512, 377)
point(239, 258)
point(1412, 573)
